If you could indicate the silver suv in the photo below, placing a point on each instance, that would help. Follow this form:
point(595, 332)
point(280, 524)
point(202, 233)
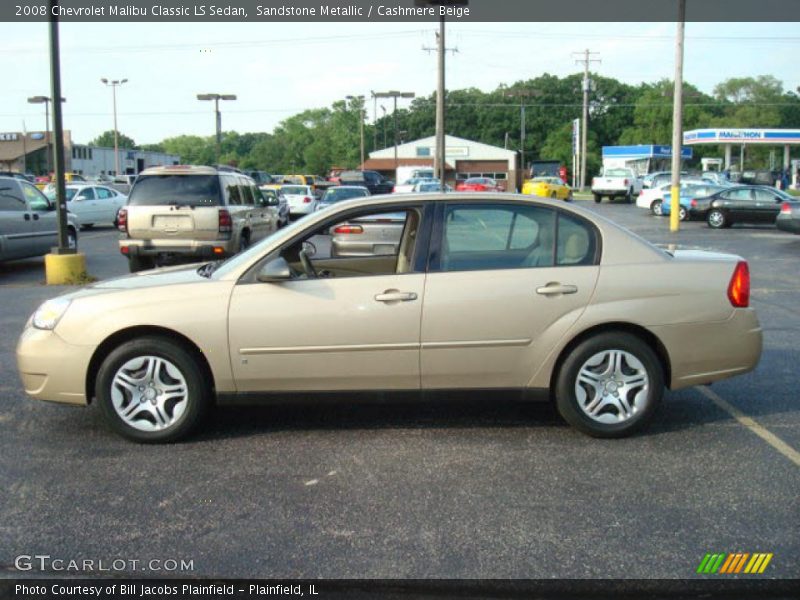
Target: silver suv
point(189, 213)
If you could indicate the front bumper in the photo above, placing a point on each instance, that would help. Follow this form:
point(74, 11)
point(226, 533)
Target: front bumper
point(188, 248)
point(50, 368)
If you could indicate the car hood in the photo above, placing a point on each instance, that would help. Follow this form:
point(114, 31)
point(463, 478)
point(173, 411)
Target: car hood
point(157, 277)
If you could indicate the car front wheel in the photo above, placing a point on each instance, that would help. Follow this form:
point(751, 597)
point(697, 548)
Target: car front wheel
point(683, 214)
point(151, 390)
point(609, 385)
point(656, 208)
point(598, 198)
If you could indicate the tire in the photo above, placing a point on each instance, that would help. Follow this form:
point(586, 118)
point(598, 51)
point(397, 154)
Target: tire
point(152, 416)
point(72, 239)
point(716, 219)
point(244, 241)
point(629, 197)
point(683, 214)
point(598, 198)
point(656, 208)
point(582, 386)
point(140, 263)
point(570, 197)
point(553, 195)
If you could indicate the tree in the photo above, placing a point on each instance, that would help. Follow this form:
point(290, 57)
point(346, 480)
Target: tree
point(106, 140)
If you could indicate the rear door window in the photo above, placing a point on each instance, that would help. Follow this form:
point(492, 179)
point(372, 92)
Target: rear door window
point(178, 190)
point(577, 242)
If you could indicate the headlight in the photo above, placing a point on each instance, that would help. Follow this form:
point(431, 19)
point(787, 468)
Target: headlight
point(49, 314)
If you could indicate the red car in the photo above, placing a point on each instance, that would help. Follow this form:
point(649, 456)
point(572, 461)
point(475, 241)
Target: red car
point(478, 184)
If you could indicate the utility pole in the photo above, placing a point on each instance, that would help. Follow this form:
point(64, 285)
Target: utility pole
point(440, 158)
point(522, 128)
point(383, 109)
point(677, 122)
point(585, 61)
point(374, 120)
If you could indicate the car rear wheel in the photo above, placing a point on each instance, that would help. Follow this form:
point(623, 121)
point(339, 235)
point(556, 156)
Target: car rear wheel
point(244, 241)
point(609, 385)
point(140, 263)
point(151, 390)
point(598, 198)
point(716, 219)
point(553, 195)
point(683, 214)
point(656, 208)
point(72, 239)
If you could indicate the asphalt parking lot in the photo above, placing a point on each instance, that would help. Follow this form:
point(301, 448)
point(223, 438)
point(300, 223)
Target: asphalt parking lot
point(459, 489)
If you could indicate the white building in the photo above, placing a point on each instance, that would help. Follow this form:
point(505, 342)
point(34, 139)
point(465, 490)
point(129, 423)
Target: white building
point(463, 159)
point(92, 161)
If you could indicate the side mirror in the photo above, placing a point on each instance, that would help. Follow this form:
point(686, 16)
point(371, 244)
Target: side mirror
point(274, 271)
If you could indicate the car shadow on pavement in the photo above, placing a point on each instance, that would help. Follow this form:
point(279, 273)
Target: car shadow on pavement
point(26, 271)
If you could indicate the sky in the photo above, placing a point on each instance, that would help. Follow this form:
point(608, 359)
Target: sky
point(279, 69)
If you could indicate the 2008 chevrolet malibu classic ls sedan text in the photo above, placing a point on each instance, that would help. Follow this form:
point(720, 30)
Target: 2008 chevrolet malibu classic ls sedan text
point(482, 292)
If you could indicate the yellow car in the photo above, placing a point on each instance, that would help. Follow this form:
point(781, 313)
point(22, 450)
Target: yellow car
point(547, 187)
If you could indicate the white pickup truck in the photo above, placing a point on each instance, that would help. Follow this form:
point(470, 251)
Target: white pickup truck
point(616, 182)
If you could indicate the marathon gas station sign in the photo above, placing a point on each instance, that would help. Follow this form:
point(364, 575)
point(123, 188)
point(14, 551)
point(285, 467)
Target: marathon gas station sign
point(742, 136)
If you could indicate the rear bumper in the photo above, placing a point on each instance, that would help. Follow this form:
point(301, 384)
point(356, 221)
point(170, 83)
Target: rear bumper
point(610, 192)
point(188, 248)
point(50, 368)
point(786, 223)
point(702, 353)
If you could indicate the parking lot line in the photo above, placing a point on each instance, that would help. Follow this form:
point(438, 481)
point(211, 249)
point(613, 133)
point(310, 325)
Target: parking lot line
point(761, 431)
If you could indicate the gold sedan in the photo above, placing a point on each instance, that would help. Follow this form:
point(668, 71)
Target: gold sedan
point(547, 187)
point(480, 292)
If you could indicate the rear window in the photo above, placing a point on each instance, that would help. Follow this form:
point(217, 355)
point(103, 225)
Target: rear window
point(179, 190)
point(294, 190)
point(337, 195)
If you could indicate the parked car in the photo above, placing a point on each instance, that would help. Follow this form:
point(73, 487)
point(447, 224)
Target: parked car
point(189, 213)
point(28, 221)
point(430, 186)
point(759, 177)
point(408, 185)
point(341, 192)
point(580, 312)
point(547, 187)
point(92, 204)
point(652, 198)
point(272, 194)
point(688, 192)
point(616, 183)
point(372, 180)
point(789, 217)
point(301, 199)
point(46, 184)
point(740, 204)
point(478, 184)
point(23, 176)
point(372, 235)
point(260, 177)
point(659, 178)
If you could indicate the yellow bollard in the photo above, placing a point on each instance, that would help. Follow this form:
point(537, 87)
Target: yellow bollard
point(674, 208)
point(65, 269)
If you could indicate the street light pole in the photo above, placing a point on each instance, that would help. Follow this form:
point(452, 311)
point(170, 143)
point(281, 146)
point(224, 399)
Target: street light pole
point(113, 85)
point(58, 131)
point(217, 116)
point(383, 109)
point(394, 94)
point(362, 115)
point(46, 101)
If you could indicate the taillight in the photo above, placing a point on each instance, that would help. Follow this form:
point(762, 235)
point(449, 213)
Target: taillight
point(122, 220)
point(693, 203)
point(786, 208)
point(739, 287)
point(625, 182)
point(225, 221)
point(348, 229)
point(594, 180)
point(394, 190)
point(306, 200)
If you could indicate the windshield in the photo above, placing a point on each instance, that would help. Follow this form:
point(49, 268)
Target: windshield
point(51, 194)
point(294, 190)
point(179, 190)
point(339, 194)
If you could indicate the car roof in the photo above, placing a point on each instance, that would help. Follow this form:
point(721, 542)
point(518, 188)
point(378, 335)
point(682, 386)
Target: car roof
point(184, 170)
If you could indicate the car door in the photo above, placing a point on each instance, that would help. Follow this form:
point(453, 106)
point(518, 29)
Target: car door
point(506, 282)
point(356, 331)
point(107, 205)
point(16, 225)
point(44, 221)
point(84, 205)
point(767, 205)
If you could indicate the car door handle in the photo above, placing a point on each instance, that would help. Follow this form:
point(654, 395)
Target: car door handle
point(395, 296)
point(27, 217)
point(555, 288)
point(35, 217)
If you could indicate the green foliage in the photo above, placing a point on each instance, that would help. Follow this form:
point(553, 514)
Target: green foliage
point(316, 139)
point(106, 140)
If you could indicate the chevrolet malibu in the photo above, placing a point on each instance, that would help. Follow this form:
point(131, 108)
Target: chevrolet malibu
point(485, 292)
